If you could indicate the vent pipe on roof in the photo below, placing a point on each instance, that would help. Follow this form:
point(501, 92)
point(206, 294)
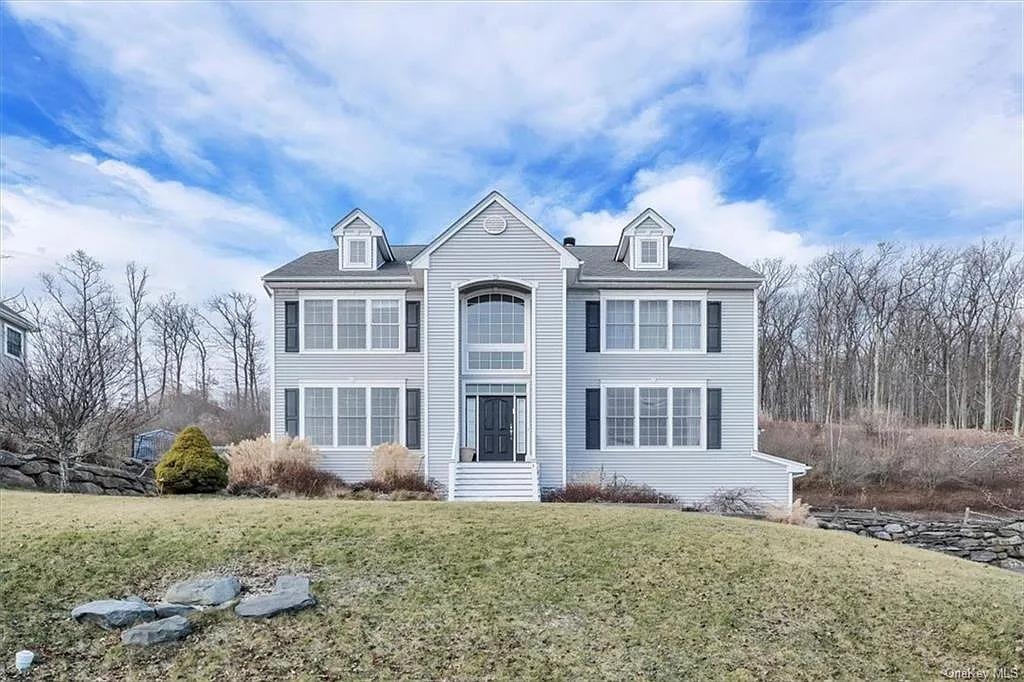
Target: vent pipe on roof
point(568, 241)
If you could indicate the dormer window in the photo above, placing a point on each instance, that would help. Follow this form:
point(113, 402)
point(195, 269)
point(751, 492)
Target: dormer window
point(644, 242)
point(649, 252)
point(362, 244)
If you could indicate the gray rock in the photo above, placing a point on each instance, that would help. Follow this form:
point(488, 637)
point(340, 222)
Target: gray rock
point(10, 459)
point(983, 555)
point(78, 474)
point(48, 480)
point(1016, 526)
point(893, 528)
point(159, 631)
point(968, 543)
point(137, 599)
point(15, 478)
point(206, 591)
point(85, 487)
point(882, 535)
point(1012, 565)
point(1011, 540)
point(111, 614)
point(267, 605)
point(33, 467)
point(165, 610)
point(287, 583)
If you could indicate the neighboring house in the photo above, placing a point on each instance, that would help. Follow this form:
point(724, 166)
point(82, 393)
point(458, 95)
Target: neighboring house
point(15, 329)
point(540, 361)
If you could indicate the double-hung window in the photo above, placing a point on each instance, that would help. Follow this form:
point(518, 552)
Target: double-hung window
point(385, 316)
point(318, 324)
point(653, 417)
point(319, 419)
point(654, 323)
point(383, 415)
point(13, 343)
point(352, 324)
point(351, 416)
point(649, 251)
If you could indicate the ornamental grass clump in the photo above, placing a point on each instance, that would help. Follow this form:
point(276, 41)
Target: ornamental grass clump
point(191, 466)
point(263, 467)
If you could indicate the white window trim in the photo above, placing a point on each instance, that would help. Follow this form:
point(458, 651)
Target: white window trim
point(668, 386)
point(368, 297)
point(523, 347)
point(636, 297)
point(19, 358)
point(371, 253)
point(334, 447)
point(659, 258)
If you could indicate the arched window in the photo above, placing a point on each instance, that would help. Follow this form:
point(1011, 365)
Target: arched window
point(495, 332)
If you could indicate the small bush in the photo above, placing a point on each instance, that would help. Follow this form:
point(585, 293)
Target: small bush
point(599, 489)
point(395, 482)
point(741, 501)
point(797, 515)
point(191, 465)
point(286, 466)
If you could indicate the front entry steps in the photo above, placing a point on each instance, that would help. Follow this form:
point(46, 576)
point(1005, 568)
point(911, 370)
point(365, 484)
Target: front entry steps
point(494, 481)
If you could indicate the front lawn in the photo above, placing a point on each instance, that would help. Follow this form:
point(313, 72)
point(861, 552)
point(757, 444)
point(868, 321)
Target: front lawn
point(504, 591)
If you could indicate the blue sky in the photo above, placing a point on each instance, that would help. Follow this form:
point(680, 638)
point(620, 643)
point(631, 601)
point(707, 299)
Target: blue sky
point(213, 142)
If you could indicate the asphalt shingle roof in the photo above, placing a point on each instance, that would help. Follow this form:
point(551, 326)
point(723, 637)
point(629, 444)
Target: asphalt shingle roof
point(599, 263)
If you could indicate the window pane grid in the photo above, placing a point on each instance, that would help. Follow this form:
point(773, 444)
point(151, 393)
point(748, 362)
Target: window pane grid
point(686, 416)
point(495, 318)
point(619, 325)
point(648, 251)
point(357, 252)
point(653, 324)
point(686, 325)
point(495, 360)
point(351, 324)
point(384, 324)
point(619, 408)
point(319, 409)
point(318, 323)
point(653, 417)
point(352, 416)
point(384, 415)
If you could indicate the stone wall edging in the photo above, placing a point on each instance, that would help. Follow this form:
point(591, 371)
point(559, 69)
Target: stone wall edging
point(42, 472)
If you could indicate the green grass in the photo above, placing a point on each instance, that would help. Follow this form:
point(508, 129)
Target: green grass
point(471, 591)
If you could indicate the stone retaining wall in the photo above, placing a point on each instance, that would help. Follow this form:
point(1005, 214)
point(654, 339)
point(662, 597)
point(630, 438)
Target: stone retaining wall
point(36, 472)
point(1000, 543)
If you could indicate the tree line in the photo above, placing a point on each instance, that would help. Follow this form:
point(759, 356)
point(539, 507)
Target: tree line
point(932, 335)
point(104, 365)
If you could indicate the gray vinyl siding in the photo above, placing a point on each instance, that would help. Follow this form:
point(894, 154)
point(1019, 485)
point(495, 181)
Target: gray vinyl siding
point(291, 369)
point(689, 475)
point(520, 254)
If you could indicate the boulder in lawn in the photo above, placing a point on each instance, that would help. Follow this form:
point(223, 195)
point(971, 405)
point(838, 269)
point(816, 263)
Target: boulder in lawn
point(165, 610)
point(204, 591)
point(157, 632)
point(291, 583)
point(267, 605)
point(111, 614)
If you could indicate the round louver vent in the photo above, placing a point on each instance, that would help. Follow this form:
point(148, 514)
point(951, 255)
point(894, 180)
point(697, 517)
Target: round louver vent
point(495, 224)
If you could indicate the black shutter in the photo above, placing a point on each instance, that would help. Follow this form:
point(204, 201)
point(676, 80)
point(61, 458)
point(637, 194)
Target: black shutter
point(291, 411)
point(412, 418)
point(714, 419)
point(291, 326)
point(593, 326)
point(412, 326)
point(714, 326)
point(593, 419)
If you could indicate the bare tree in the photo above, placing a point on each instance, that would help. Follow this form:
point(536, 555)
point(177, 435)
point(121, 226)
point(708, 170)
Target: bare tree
point(137, 315)
point(73, 394)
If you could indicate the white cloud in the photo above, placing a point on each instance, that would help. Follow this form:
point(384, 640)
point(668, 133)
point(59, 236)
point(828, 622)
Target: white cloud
point(388, 97)
point(902, 99)
point(688, 196)
point(193, 241)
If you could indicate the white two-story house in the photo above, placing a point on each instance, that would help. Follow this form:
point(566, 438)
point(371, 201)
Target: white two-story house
point(514, 363)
